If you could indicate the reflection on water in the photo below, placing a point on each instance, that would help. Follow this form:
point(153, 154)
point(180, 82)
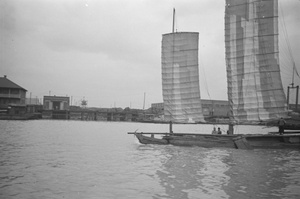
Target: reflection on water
point(74, 159)
point(264, 174)
point(193, 172)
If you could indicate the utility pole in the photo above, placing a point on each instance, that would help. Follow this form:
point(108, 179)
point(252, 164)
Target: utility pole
point(144, 101)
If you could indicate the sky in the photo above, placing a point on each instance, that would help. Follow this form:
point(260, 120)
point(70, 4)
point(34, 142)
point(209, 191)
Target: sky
point(108, 52)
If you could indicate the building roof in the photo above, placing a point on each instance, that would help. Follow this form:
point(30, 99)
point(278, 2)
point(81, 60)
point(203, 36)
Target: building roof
point(54, 97)
point(6, 83)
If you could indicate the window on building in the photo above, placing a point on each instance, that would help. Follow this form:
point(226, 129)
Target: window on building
point(4, 91)
point(47, 105)
point(56, 105)
point(65, 105)
point(14, 91)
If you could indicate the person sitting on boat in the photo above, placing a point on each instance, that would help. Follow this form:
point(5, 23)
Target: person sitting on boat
point(214, 131)
point(219, 130)
point(281, 124)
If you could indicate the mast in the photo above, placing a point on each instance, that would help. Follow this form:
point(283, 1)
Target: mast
point(173, 25)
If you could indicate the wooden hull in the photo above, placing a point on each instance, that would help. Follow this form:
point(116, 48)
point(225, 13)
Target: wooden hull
point(268, 141)
point(223, 141)
point(150, 140)
point(203, 140)
point(292, 127)
point(285, 132)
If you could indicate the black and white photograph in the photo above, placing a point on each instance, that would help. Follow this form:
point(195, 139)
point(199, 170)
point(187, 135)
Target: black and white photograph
point(158, 99)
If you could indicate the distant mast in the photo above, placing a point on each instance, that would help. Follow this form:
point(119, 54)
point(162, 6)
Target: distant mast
point(144, 101)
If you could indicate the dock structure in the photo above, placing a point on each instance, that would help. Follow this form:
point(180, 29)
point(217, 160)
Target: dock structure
point(93, 115)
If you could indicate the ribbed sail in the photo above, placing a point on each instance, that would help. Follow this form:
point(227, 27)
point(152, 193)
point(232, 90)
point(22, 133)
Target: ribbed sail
point(180, 77)
point(255, 89)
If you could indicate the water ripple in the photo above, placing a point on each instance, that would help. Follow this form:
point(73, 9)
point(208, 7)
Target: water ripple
point(74, 159)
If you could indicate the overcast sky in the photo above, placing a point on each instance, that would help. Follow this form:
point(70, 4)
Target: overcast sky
point(109, 52)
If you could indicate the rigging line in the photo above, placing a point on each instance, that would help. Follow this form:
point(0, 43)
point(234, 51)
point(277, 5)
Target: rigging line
point(289, 46)
point(205, 81)
point(288, 74)
point(282, 36)
point(285, 55)
point(286, 59)
point(285, 68)
point(277, 110)
point(286, 34)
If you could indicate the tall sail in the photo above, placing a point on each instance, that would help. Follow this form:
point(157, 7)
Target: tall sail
point(254, 83)
point(180, 77)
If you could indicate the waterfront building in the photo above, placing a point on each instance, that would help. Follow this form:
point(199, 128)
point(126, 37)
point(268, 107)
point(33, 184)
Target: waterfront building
point(56, 103)
point(157, 106)
point(12, 99)
point(56, 107)
point(11, 93)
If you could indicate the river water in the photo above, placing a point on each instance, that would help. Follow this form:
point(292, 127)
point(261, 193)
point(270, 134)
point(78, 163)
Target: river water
point(79, 159)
